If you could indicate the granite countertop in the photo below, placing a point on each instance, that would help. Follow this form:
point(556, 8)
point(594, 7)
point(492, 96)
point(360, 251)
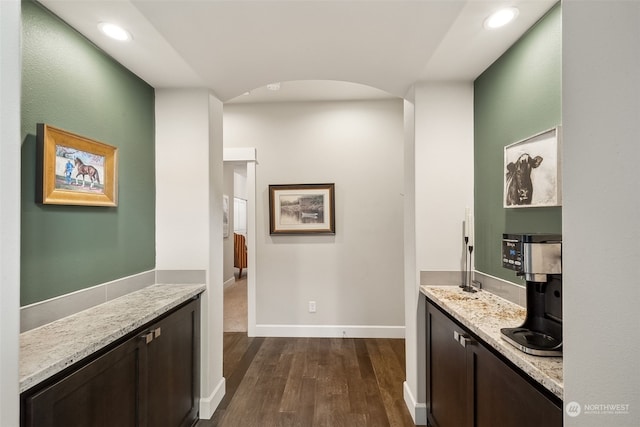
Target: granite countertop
point(484, 313)
point(49, 349)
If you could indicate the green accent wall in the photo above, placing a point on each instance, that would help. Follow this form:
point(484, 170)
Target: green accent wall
point(518, 96)
point(69, 83)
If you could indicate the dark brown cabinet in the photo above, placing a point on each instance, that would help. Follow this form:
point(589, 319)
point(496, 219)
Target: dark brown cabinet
point(448, 394)
point(469, 385)
point(173, 380)
point(151, 379)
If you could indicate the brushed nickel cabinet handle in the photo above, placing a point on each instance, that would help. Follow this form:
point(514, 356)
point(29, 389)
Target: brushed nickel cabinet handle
point(462, 339)
point(147, 338)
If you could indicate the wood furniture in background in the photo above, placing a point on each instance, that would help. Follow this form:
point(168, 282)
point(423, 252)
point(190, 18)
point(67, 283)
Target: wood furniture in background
point(239, 252)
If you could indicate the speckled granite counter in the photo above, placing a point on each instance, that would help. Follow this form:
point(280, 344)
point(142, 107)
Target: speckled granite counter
point(484, 314)
point(49, 349)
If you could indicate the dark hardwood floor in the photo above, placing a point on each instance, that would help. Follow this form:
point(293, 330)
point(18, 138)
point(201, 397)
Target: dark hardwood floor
point(306, 382)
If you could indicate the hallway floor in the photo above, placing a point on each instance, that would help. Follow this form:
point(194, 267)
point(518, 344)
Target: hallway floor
point(306, 382)
point(235, 306)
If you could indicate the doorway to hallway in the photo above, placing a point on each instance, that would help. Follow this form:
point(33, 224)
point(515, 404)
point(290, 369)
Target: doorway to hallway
point(242, 162)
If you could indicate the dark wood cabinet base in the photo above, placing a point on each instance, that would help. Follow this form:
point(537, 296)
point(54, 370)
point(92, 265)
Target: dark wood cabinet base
point(470, 386)
point(149, 379)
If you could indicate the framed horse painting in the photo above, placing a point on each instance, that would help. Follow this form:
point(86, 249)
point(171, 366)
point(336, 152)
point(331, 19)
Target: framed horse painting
point(74, 170)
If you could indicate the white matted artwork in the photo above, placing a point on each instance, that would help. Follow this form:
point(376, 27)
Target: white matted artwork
point(302, 209)
point(225, 216)
point(532, 175)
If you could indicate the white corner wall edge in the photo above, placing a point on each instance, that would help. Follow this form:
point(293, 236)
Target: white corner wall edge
point(10, 83)
point(418, 411)
point(209, 404)
point(329, 331)
point(240, 154)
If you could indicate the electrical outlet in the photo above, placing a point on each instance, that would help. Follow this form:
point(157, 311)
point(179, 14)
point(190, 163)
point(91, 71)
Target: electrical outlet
point(312, 306)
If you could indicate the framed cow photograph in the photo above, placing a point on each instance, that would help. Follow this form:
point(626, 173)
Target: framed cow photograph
point(532, 176)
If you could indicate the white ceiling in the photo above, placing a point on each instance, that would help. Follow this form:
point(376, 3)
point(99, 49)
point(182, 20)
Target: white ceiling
point(235, 46)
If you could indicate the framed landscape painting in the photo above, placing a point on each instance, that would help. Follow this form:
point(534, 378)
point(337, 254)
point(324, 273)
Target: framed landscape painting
point(74, 170)
point(302, 209)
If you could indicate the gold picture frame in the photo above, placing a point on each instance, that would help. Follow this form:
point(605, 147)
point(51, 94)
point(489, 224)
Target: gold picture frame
point(302, 209)
point(74, 170)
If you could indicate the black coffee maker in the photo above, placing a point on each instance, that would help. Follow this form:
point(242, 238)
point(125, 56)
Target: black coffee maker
point(537, 257)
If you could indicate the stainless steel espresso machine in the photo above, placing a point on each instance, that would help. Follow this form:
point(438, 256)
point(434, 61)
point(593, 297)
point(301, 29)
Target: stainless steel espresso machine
point(537, 257)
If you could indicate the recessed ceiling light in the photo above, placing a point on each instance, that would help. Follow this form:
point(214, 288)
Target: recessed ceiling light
point(114, 31)
point(501, 18)
point(273, 86)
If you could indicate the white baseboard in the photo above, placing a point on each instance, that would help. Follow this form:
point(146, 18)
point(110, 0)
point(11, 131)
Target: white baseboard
point(208, 405)
point(418, 411)
point(329, 331)
point(229, 282)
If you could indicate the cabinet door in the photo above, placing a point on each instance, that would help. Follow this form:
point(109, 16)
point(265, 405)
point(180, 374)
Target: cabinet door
point(505, 399)
point(103, 393)
point(448, 393)
point(173, 369)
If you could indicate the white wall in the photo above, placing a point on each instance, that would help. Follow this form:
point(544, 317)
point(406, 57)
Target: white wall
point(189, 212)
point(228, 184)
point(241, 193)
point(601, 209)
point(10, 70)
point(411, 297)
point(212, 351)
point(444, 172)
point(240, 182)
point(443, 186)
point(182, 179)
point(356, 276)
